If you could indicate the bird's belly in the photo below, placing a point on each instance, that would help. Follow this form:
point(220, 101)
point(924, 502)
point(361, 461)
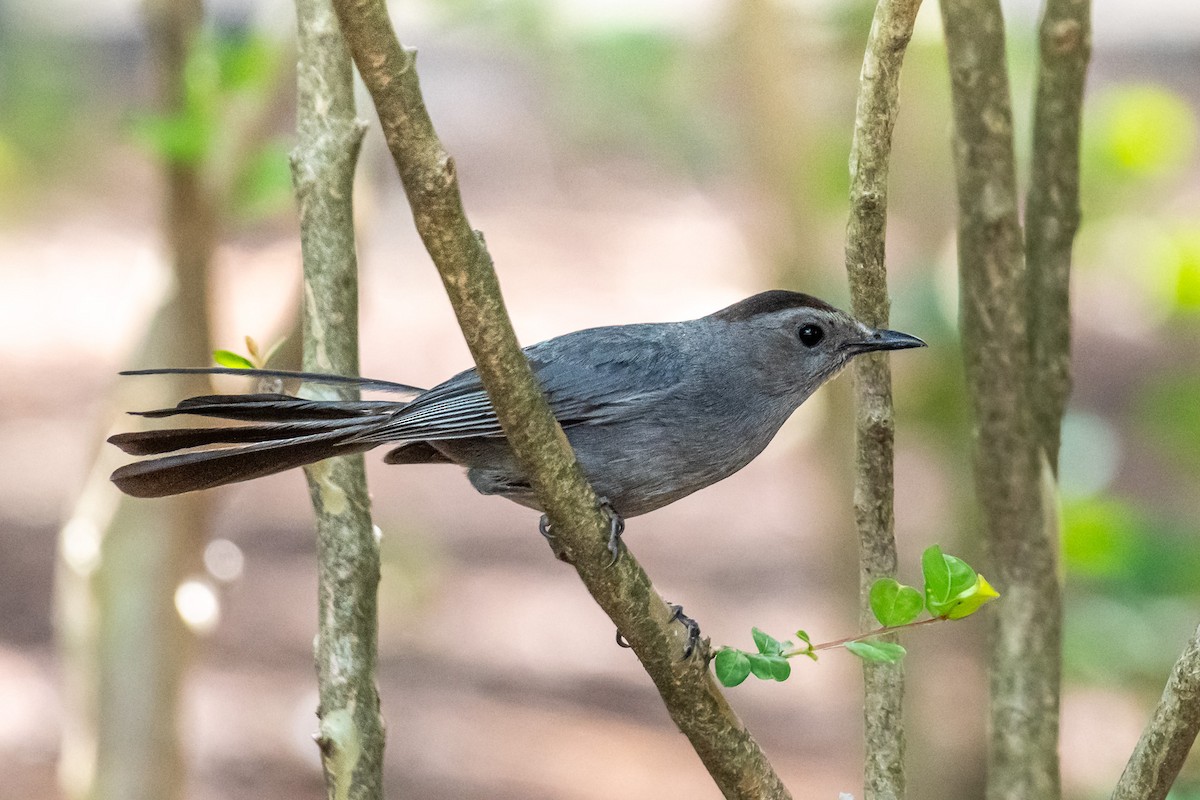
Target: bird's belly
point(637, 467)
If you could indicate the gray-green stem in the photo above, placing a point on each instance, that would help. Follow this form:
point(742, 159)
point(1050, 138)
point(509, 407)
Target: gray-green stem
point(875, 118)
point(351, 731)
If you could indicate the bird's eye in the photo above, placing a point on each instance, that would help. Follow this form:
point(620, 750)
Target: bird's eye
point(811, 335)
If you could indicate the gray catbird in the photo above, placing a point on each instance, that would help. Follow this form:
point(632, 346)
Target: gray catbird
point(654, 411)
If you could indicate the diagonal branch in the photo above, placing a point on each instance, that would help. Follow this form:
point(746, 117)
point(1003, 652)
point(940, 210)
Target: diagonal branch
point(351, 734)
point(1169, 736)
point(875, 119)
point(730, 754)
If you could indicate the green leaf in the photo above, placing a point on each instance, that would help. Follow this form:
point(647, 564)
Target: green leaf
point(802, 635)
point(228, 358)
point(893, 603)
point(766, 644)
point(732, 666)
point(769, 668)
point(880, 652)
point(947, 579)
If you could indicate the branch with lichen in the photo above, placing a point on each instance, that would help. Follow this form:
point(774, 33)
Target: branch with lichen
point(624, 591)
point(351, 733)
point(875, 118)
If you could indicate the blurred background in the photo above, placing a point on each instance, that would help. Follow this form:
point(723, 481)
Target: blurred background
point(628, 161)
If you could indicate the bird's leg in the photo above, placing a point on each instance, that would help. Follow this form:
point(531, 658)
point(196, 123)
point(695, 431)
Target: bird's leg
point(544, 528)
point(616, 527)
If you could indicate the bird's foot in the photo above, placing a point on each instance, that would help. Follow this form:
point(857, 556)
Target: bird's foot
point(693, 630)
point(677, 615)
point(544, 528)
point(616, 527)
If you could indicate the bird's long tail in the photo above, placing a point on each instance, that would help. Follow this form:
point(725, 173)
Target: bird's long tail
point(283, 432)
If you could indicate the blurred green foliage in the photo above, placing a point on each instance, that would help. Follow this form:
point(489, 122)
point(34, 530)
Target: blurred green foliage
point(41, 96)
point(229, 78)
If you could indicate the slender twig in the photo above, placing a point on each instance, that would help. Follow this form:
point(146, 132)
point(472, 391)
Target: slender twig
point(858, 637)
point(731, 755)
point(351, 735)
point(1025, 660)
point(875, 118)
point(1169, 736)
point(1052, 209)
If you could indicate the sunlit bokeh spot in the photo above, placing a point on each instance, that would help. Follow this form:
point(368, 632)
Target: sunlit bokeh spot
point(198, 606)
point(224, 560)
point(81, 545)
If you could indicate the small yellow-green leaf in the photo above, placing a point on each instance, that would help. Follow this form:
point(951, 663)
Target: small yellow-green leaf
point(981, 593)
point(228, 358)
point(946, 579)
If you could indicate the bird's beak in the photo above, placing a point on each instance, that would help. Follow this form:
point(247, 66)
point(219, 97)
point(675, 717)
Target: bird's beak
point(887, 340)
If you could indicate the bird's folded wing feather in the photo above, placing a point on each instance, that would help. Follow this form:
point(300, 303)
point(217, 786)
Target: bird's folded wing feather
point(587, 379)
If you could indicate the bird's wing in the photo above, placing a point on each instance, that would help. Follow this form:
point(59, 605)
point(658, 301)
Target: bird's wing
point(588, 377)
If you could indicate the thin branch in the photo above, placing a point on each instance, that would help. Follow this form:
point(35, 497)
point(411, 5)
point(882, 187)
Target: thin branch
point(1020, 523)
point(875, 118)
point(351, 735)
point(1052, 209)
point(624, 591)
point(1169, 736)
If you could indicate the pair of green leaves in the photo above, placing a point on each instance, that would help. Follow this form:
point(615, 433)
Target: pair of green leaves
point(953, 590)
point(769, 663)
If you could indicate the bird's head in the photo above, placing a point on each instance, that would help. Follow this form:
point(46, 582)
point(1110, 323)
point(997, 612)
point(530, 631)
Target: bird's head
point(794, 342)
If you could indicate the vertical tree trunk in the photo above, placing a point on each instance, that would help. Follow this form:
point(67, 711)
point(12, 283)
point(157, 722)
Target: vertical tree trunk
point(1014, 327)
point(125, 649)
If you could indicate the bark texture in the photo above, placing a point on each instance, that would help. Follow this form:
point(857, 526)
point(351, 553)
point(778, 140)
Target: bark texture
point(351, 736)
point(875, 118)
point(624, 591)
point(1052, 209)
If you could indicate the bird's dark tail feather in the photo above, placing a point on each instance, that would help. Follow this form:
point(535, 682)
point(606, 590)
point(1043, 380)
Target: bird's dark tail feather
point(288, 432)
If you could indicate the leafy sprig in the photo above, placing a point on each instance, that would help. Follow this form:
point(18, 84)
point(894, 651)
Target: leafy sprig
point(953, 590)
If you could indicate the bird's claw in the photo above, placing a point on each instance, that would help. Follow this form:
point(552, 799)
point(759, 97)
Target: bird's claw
point(616, 527)
point(677, 615)
point(544, 528)
point(693, 630)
